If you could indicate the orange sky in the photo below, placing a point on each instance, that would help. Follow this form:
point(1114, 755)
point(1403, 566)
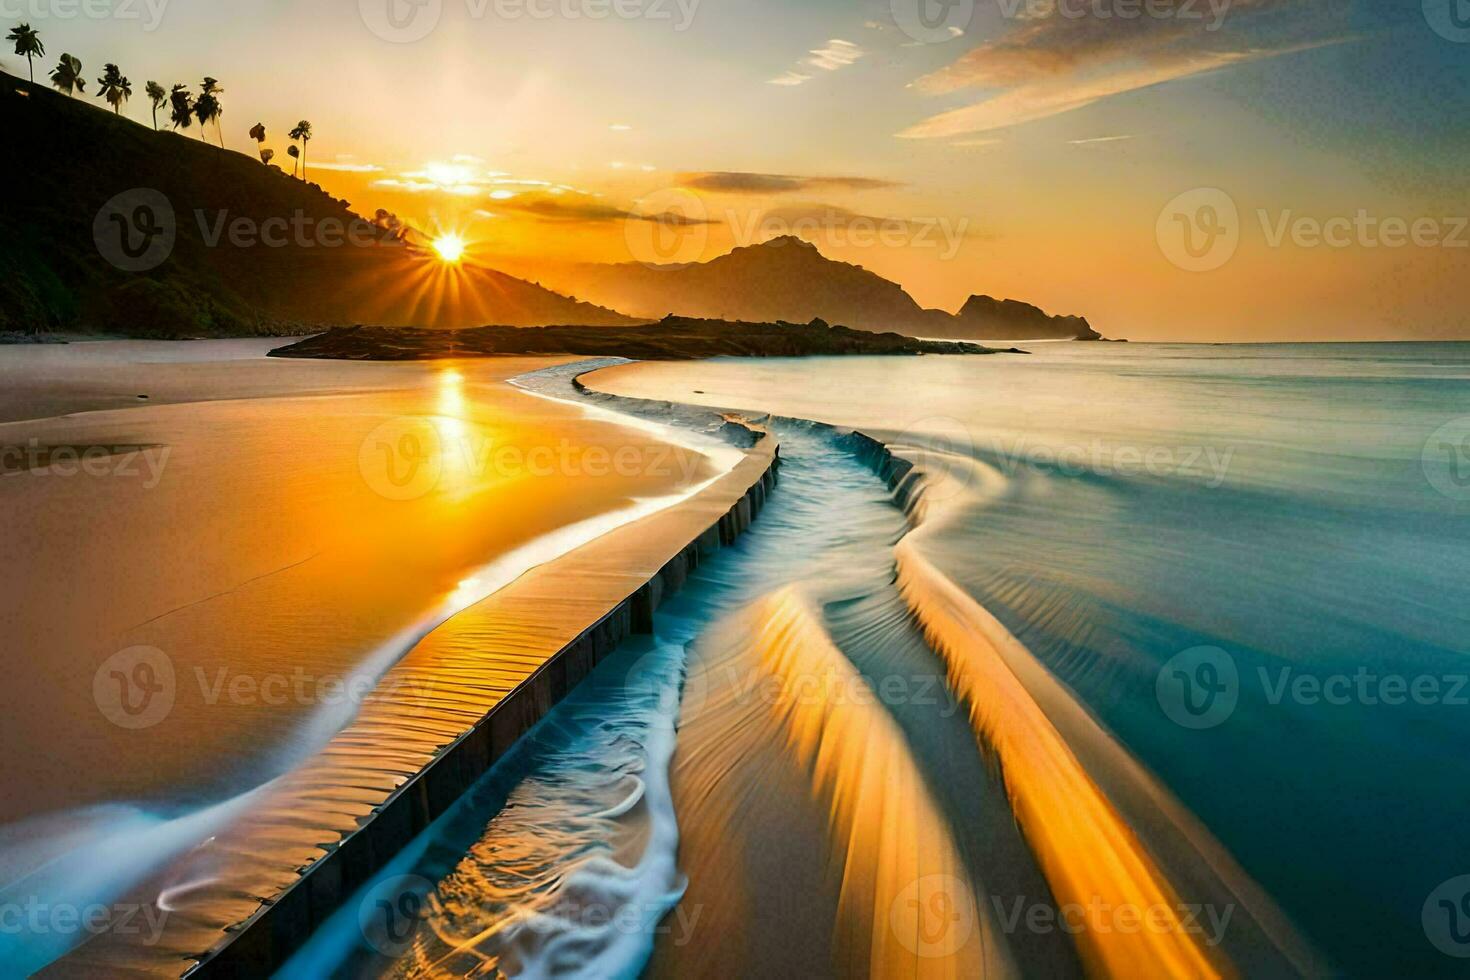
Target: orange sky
point(1016, 149)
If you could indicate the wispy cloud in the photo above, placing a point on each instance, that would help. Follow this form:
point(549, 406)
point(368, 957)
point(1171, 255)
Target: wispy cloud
point(790, 78)
point(582, 209)
point(737, 182)
point(347, 163)
point(835, 55)
point(1053, 62)
point(1052, 97)
point(1099, 139)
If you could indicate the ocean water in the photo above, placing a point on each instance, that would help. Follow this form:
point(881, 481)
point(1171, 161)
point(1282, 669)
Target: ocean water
point(1242, 572)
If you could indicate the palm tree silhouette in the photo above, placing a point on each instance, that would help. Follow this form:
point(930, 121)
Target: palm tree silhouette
point(158, 97)
point(181, 107)
point(302, 132)
point(209, 97)
point(67, 75)
point(27, 43)
point(206, 110)
point(295, 155)
point(115, 88)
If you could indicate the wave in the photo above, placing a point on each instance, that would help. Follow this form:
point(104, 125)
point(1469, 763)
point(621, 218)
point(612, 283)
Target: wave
point(787, 746)
point(1107, 832)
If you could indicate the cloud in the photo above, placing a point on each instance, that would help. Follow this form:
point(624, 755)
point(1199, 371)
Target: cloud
point(1062, 55)
point(1099, 139)
point(806, 219)
point(736, 182)
point(1074, 35)
point(1039, 100)
point(347, 166)
point(834, 56)
point(589, 211)
point(790, 78)
point(837, 54)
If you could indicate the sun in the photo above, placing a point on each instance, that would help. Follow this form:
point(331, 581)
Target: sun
point(450, 247)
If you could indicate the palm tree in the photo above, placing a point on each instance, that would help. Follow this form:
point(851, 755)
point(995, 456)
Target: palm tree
point(206, 110)
point(27, 43)
point(181, 107)
point(67, 75)
point(115, 87)
point(295, 155)
point(209, 95)
point(302, 132)
point(158, 96)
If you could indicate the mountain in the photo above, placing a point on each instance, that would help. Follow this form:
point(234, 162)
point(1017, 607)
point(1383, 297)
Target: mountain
point(788, 278)
point(1009, 319)
point(253, 250)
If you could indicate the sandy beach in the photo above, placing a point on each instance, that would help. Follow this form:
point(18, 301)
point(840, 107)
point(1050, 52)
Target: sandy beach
point(298, 533)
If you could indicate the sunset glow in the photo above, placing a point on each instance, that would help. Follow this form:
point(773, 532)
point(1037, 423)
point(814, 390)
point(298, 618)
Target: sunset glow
point(449, 247)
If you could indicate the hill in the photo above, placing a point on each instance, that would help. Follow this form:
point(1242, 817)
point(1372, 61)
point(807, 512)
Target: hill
point(789, 278)
point(671, 339)
point(240, 247)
